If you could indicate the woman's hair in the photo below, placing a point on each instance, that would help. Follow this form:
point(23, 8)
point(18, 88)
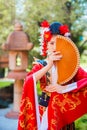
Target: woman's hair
point(54, 28)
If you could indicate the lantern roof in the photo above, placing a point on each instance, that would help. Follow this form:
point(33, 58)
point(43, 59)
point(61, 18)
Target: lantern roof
point(18, 40)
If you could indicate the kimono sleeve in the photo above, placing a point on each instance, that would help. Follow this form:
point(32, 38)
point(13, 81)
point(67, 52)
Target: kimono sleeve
point(28, 108)
point(80, 81)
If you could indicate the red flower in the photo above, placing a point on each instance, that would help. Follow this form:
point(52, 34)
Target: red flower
point(63, 29)
point(45, 24)
point(47, 36)
point(44, 54)
point(44, 46)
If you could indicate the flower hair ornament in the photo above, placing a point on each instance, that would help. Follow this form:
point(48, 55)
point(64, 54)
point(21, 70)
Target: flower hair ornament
point(46, 32)
point(45, 36)
point(64, 30)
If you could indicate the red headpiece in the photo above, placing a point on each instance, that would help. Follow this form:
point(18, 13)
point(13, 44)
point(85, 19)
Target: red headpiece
point(45, 36)
point(46, 32)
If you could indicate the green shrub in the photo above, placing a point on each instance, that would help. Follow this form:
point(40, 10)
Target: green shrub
point(81, 123)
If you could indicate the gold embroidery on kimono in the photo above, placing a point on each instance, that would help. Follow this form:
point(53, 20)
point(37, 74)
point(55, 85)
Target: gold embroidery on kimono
point(84, 92)
point(28, 105)
point(66, 102)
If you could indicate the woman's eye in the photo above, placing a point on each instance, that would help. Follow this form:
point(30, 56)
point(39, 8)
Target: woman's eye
point(52, 43)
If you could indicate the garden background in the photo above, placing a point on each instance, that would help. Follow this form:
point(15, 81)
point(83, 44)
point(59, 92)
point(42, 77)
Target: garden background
point(31, 12)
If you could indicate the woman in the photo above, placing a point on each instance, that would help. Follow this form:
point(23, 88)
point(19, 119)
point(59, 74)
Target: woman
point(59, 105)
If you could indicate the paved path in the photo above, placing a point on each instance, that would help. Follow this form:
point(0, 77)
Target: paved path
point(6, 123)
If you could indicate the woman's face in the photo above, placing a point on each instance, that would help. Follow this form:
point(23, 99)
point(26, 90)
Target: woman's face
point(51, 45)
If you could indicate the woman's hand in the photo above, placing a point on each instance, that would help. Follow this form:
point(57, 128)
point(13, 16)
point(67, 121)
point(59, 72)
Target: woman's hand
point(54, 56)
point(55, 88)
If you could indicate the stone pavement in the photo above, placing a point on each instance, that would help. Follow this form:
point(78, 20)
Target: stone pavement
point(6, 123)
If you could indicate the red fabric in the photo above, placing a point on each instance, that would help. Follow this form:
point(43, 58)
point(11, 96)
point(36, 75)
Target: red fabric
point(41, 110)
point(62, 109)
point(27, 117)
point(66, 108)
point(81, 79)
point(80, 74)
point(35, 69)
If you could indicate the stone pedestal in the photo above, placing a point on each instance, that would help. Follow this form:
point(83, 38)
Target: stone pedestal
point(14, 113)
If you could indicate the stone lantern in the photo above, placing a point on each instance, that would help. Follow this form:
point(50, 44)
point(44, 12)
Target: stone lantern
point(18, 44)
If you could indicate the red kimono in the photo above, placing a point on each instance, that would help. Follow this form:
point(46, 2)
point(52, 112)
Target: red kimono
point(63, 109)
